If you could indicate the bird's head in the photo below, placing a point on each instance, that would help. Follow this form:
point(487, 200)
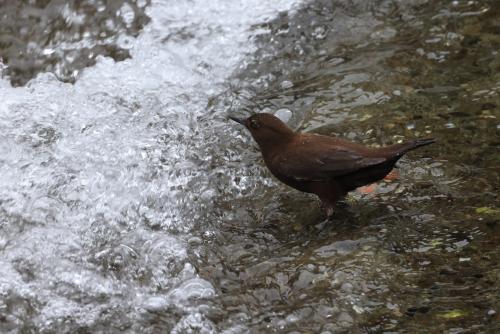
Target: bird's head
point(266, 129)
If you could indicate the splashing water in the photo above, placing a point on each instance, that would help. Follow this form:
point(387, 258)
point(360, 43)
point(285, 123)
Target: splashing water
point(96, 197)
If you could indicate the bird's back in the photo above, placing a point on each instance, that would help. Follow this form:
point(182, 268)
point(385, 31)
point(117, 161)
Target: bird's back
point(316, 158)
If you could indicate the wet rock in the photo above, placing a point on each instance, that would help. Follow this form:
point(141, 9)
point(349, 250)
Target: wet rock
point(343, 247)
point(345, 320)
point(338, 279)
point(447, 270)
point(346, 287)
point(307, 279)
point(299, 315)
point(266, 296)
point(260, 269)
point(332, 328)
point(327, 311)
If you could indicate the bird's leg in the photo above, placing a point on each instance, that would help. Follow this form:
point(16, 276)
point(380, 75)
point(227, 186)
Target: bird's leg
point(329, 201)
point(329, 209)
point(329, 193)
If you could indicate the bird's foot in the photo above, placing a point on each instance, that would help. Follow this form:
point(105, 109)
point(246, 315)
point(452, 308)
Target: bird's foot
point(329, 215)
point(321, 226)
point(329, 212)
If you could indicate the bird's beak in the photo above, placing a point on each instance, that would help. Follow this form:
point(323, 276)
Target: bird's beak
point(237, 120)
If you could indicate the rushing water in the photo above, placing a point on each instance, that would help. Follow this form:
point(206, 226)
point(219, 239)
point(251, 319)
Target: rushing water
point(128, 203)
point(104, 180)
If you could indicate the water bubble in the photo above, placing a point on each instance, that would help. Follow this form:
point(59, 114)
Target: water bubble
point(194, 323)
point(128, 14)
point(319, 33)
point(286, 84)
point(156, 303)
point(193, 288)
point(125, 42)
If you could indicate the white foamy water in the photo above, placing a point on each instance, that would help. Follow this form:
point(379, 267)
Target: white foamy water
point(97, 179)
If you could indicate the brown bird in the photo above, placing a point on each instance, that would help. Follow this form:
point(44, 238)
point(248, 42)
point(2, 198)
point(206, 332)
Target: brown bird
point(329, 167)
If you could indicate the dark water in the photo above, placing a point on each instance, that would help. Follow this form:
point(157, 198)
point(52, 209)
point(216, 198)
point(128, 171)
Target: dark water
point(244, 253)
point(419, 255)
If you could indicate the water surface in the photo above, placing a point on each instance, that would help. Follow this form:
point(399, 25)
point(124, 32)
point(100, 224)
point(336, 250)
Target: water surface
point(130, 204)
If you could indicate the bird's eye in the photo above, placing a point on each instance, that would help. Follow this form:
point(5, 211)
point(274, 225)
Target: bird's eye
point(254, 124)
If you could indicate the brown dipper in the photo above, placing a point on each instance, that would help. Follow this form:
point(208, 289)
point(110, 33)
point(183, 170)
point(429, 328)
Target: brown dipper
point(326, 166)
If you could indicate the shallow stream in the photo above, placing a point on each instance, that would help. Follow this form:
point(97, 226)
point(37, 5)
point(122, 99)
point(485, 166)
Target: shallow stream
point(129, 203)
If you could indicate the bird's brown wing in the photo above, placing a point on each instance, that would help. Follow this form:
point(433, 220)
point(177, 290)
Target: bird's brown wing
point(319, 164)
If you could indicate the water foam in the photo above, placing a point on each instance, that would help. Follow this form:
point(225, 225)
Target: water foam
point(96, 177)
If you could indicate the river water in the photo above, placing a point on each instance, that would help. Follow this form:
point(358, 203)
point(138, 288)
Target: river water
point(129, 203)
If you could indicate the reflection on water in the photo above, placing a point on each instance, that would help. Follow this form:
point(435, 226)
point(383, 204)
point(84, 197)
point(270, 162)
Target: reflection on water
point(129, 203)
